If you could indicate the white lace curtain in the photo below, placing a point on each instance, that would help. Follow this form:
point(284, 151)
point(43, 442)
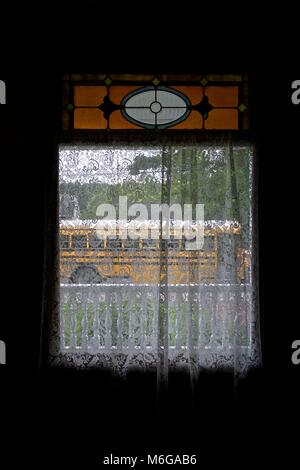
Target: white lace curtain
point(153, 304)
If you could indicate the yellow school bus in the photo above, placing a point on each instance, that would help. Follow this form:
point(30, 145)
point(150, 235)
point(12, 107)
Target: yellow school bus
point(88, 255)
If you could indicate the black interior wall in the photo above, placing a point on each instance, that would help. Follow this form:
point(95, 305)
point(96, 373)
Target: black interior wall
point(62, 407)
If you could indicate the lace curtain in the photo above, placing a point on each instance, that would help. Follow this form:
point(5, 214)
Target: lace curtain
point(149, 301)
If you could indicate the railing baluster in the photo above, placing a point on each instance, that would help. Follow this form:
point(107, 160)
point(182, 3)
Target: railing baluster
point(131, 321)
point(73, 311)
point(200, 319)
point(101, 317)
point(143, 321)
point(84, 321)
point(212, 343)
point(155, 299)
point(96, 328)
point(62, 324)
point(120, 321)
point(226, 313)
point(108, 311)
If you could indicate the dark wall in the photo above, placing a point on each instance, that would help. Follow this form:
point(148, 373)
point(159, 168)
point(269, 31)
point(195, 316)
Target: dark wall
point(83, 37)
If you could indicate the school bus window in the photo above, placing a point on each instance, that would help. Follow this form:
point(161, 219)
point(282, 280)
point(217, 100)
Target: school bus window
point(114, 244)
point(149, 244)
point(94, 242)
point(131, 244)
point(79, 241)
point(173, 244)
point(209, 243)
point(64, 242)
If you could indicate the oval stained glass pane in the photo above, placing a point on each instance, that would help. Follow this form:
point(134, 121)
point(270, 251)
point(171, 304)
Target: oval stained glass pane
point(169, 115)
point(140, 100)
point(155, 107)
point(170, 99)
point(141, 115)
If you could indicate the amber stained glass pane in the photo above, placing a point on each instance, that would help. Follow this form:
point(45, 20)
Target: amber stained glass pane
point(89, 118)
point(194, 93)
point(117, 121)
point(194, 121)
point(222, 119)
point(117, 93)
point(89, 95)
point(220, 96)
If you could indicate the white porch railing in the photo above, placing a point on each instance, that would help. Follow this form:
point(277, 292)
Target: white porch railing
point(124, 318)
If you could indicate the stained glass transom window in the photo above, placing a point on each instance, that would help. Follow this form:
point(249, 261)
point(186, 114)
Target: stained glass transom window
point(139, 102)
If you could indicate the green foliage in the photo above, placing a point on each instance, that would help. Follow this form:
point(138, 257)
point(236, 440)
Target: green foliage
point(215, 177)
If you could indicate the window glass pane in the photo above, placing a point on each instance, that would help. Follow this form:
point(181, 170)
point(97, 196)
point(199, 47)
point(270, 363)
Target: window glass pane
point(195, 94)
point(150, 244)
point(173, 244)
point(89, 95)
point(193, 121)
point(142, 115)
point(142, 99)
point(222, 119)
point(169, 115)
point(131, 244)
point(89, 118)
point(169, 99)
point(117, 281)
point(222, 96)
point(117, 121)
point(117, 93)
point(64, 241)
point(79, 241)
point(94, 242)
point(209, 243)
point(114, 244)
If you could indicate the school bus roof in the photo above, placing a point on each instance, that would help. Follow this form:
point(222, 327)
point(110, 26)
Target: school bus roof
point(220, 226)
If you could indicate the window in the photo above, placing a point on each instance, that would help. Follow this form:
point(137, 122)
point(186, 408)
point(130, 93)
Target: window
point(149, 244)
point(64, 241)
point(173, 243)
point(79, 242)
point(209, 243)
point(204, 102)
point(160, 269)
point(131, 244)
point(94, 242)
